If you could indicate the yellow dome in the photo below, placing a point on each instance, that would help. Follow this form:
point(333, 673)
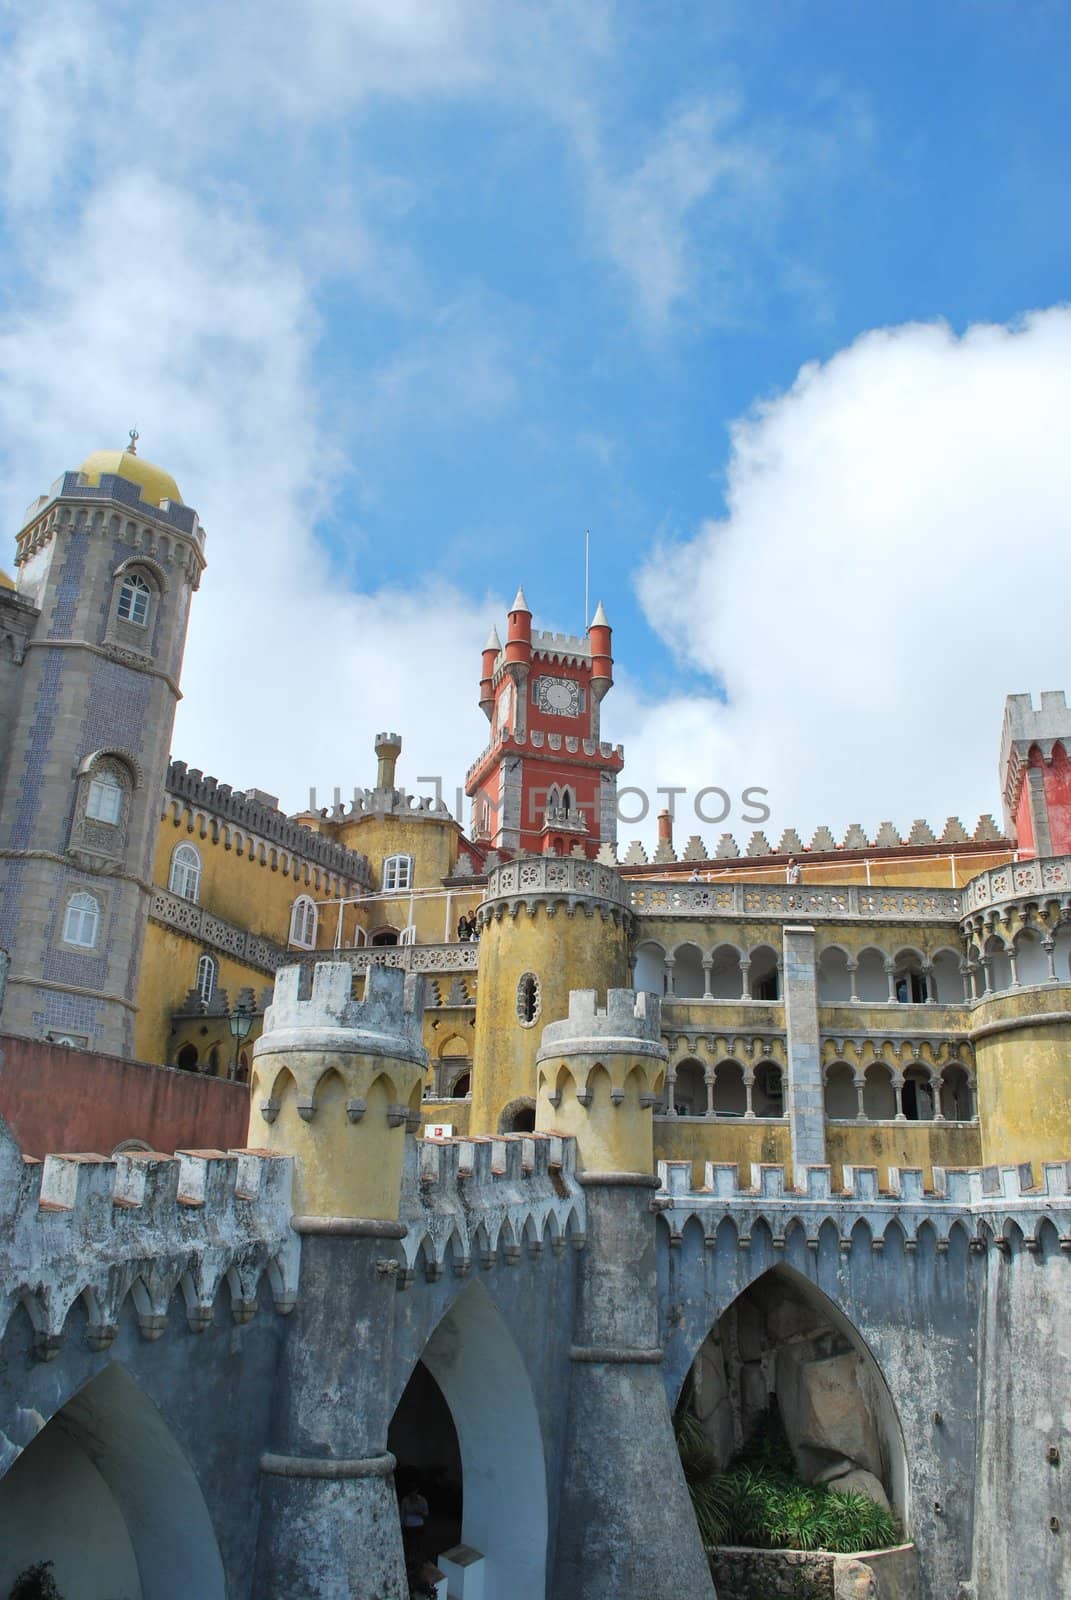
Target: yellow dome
point(156, 484)
point(5, 581)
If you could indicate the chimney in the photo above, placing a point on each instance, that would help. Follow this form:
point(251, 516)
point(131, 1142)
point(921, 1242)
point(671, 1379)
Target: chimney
point(388, 749)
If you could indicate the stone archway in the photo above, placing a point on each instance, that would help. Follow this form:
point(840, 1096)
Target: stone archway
point(518, 1116)
point(783, 1340)
point(481, 1375)
point(106, 1494)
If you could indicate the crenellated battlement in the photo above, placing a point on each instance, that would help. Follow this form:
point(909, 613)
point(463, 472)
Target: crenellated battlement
point(987, 1203)
point(311, 1002)
point(141, 1226)
point(488, 1201)
point(628, 1020)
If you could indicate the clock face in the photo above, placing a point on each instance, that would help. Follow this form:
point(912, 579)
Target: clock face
point(505, 706)
point(558, 697)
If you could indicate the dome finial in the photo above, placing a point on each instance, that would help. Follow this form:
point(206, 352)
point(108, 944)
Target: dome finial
point(133, 445)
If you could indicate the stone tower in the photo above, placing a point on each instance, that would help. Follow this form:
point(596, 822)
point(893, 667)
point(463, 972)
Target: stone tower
point(600, 1070)
point(336, 1082)
point(546, 924)
point(1035, 773)
point(546, 781)
point(107, 562)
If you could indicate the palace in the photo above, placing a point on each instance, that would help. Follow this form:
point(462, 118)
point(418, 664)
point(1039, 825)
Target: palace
point(781, 1131)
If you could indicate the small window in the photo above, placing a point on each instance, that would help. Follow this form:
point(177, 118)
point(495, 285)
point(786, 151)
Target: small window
point(528, 1000)
point(186, 872)
point(134, 598)
point(105, 800)
point(397, 873)
point(206, 978)
point(303, 922)
point(82, 922)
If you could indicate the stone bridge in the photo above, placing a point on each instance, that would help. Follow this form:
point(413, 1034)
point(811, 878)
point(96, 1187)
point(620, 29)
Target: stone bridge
point(148, 1303)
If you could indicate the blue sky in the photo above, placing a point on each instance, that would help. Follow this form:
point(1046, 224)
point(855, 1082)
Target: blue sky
point(409, 295)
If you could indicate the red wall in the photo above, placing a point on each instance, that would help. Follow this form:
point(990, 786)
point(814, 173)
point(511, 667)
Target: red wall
point(58, 1100)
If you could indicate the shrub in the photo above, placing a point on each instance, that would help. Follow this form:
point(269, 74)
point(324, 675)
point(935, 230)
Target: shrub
point(760, 1500)
point(35, 1583)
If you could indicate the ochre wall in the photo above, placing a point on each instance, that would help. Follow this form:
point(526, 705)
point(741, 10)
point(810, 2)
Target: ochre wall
point(694, 1139)
point(55, 1099)
point(901, 1144)
point(240, 888)
point(1024, 1075)
point(564, 953)
point(168, 973)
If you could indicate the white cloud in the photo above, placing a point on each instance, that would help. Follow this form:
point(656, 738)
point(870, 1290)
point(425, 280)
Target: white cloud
point(288, 675)
point(893, 563)
point(644, 218)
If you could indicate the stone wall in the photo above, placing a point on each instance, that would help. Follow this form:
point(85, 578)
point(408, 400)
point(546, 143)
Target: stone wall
point(742, 1574)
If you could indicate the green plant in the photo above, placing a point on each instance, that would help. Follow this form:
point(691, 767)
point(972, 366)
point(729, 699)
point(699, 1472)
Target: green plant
point(35, 1583)
point(760, 1500)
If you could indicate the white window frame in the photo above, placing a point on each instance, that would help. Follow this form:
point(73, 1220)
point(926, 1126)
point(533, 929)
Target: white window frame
point(81, 921)
point(207, 974)
point(397, 873)
point(135, 594)
point(104, 802)
point(185, 876)
point(408, 935)
point(304, 922)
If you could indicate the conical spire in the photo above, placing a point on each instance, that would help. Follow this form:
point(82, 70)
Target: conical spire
point(493, 641)
point(600, 619)
point(520, 604)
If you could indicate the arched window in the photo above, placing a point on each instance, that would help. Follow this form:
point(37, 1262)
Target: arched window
point(82, 922)
point(135, 596)
point(207, 972)
point(104, 802)
point(185, 872)
point(303, 922)
point(528, 1000)
point(397, 873)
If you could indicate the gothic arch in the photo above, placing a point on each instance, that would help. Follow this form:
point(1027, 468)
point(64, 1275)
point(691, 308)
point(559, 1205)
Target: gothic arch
point(105, 1488)
point(481, 1375)
point(782, 1280)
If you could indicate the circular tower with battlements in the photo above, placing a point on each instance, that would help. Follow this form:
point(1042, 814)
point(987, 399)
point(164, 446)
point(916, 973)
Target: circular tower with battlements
point(547, 925)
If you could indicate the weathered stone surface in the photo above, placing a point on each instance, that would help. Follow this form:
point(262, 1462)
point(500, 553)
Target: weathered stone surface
point(877, 1575)
point(825, 1411)
point(858, 1481)
point(740, 1574)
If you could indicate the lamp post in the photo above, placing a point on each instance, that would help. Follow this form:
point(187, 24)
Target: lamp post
point(241, 1020)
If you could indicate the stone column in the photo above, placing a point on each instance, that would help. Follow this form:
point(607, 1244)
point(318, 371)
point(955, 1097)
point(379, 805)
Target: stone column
point(708, 1079)
point(853, 978)
point(806, 1109)
point(626, 1527)
point(335, 1083)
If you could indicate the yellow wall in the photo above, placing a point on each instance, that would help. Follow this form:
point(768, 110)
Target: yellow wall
point(342, 1168)
point(433, 844)
point(168, 973)
point(901, 1144)
point(1024, 1076)
point(564, 953)
point(935, 870)
point(765, 1140)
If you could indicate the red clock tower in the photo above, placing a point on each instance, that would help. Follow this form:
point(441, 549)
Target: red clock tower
point(546, 782)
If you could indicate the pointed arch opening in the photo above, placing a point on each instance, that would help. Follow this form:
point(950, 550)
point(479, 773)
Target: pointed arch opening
point(500, 1502)
point(784, 1349)
point(105, 1493)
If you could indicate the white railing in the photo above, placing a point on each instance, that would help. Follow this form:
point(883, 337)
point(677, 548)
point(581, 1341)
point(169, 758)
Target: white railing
point(1048, 874)
point(794, 901)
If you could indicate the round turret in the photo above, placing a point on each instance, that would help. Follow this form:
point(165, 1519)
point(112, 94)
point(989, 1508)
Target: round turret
point(546, 925)
point(600, 1072)
point(602, 660)
point(335, 1083)
point(519, 633)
